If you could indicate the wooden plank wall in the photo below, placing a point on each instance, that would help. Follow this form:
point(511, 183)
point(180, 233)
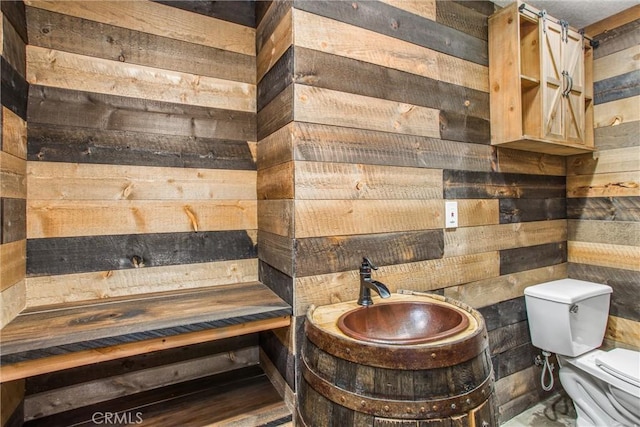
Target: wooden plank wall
point(370, 116)
point(603, 190)
point(13, 187)
point(141, 164)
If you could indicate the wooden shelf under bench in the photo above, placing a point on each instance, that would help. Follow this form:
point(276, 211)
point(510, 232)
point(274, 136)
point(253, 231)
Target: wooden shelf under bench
point(59, 337)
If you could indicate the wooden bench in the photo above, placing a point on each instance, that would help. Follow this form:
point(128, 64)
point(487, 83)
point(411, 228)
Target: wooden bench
point(59, 337)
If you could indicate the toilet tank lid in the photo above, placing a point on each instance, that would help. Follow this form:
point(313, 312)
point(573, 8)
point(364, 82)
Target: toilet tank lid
point(568, 291)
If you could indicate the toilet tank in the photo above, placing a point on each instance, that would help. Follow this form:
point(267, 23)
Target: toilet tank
point(568, 316)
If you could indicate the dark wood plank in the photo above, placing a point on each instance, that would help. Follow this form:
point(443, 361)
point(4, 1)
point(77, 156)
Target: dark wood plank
point(277, 281)
point(81, 326)
point(280, 356)
point(277, 78)
point(485, 7)
point(625, 299)
point(14, 10)
point(67, 33)
point(13, 219)
point(14, 48)
point(237, 11)
point(344, 253)
point(385, 19)
point(617, 39)
point(480, 185)
point(261, 9)
point(620, 136)
point(532, 257)
point(460, 127)
point(54, 106)
point(513, 360)
point(82, 374)
point(14, 89)
point(276, 114)
point(277, 251)
point(319, 69)
point(53, 143)
point(604, 208)
point(526, 210)
point(463, 18)
point(504, 313)
point(618, 87)
point(102, 253)
point(508, 337)
point(346, 145)
point(271, 13)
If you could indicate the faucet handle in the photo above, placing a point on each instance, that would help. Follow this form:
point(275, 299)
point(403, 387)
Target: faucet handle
point(366, 264)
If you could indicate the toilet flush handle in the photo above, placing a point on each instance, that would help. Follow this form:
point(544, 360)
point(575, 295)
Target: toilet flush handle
point(573, 309)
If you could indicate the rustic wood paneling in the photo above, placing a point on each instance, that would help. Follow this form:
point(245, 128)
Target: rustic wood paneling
point(14, 134)
point(616, 112)
point(611, 232)
point(618, 63)
point(14, 262)
point(616, 39)
point(14, 88)
point(518, 161)
point(277, 114)
point(279, 76)
point(61, 32)
point(466, 184)
point(13, 220)
point(277, 251)
point(13, 182)
point(238, 11)
point(621, 135)
point(278, 282)
point(612, 184)
point(11, 395)
point(532, 257)
point(275, 45)
point(525, 210)
point(605, 255)
point(618, 87)
point(604, 208)
point(13, 47)
point(466, 19)
point(625, 159)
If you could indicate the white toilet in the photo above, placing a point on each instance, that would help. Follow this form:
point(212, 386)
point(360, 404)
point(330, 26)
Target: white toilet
point(569, 317)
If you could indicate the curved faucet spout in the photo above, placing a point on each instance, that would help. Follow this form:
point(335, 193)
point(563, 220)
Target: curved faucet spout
point(366, 284)
point(381, 289)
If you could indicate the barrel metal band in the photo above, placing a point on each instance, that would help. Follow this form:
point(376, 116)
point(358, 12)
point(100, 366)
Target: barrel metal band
point(407, 409)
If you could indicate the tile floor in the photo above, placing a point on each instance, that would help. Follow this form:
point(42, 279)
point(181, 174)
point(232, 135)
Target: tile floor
point(557, 411)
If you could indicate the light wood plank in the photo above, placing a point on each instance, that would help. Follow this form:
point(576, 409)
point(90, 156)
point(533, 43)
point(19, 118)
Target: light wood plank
point(13, 176)
point(11, 393)
point(604, 255)
point(476, 212)
point(72, 71)
point(623, 184)
point(14, 134)
point(154, 18)
point(275, 148)
point(316, 218)
point(325, 106)
point(617, 112)
point(610, 232)
point(424, 8)
point(13, 258)
point(276, 182)
point(469, 240)
point(623, 61)
point(518, 161)
point(321, 180)
point(275, 46)
point(611, 22)
point(482, 293)
point(87, 357)
point(418, 276)
point(52, 218)
point(276, 216)
point(327, 35)
point(92, 392)
point(67, 288)
point(78, 181)
point(605, 161)
point(624, 330)
point(12, 302)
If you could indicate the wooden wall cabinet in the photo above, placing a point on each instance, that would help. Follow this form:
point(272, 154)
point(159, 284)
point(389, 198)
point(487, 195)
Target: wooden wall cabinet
point(541, 83)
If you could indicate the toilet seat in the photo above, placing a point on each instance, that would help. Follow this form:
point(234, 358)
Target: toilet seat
point(587, 362)
point(621, 363)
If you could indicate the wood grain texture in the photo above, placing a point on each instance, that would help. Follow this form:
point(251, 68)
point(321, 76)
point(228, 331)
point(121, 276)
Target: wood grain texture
point(613, 184)
point(468, 240)
point(402, 25)
point(238, 11)
point(98, 285)
point(604, 255)
point(314, 142)
point(619, 38)
point(518, 161)
point(276, 148)
point(13, 46)
point(619, 136)
point(110, 112)
point(418, 276)
point(277, 114)
point(614, 21)
point(423, 8)
point(277, 251)
point(276, 280)
point(618, 87)
point(315, 218)
point(12, 301)
point(525, 210)
point(532, 257)
point(615, 64)
point(623, 330)
point(604, 208)
point(11, 395)
point(605, 161)
point(616, 112)
point(97, 253)
point(69, 181)
point(330, 36)
point(504, 313)
point(60, 143)
point(269, 15)
point(324, 106)
point(467, 184)
point(610, 232)
point(279, 76)
point(14, 262)
point(14, 89)
point(277, 182)
point(13, 220)
point(67, 218)
point(275, 45)
point(276, 216)
point(14, 134)
point(486, 292)
point(15, 13)
point(161, 20)
point(13, 179)
point(76, 35)
point(78, 72)
point(462, 18)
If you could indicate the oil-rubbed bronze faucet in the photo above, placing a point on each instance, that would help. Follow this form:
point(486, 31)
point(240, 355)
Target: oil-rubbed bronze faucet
point(366, 284)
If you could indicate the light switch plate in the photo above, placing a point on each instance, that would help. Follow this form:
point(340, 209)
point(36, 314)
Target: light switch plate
point(451, 214)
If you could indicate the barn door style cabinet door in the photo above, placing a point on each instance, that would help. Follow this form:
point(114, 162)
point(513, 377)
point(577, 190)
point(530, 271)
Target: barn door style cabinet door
point(541, 83)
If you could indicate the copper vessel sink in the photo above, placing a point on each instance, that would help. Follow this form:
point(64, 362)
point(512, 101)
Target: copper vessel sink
point(402, 322)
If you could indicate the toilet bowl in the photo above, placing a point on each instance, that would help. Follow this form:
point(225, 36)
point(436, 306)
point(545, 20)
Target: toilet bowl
point(604, 386)
point(569, 317)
